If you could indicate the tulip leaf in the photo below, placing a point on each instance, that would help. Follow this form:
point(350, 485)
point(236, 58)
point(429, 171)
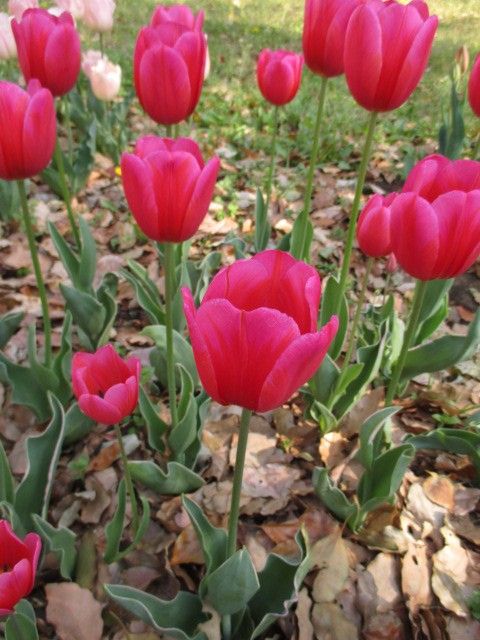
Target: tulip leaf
point(156, 427)
point(175, 481)
point(331, 496)
point(325, 379)
point(145, 290)
point(77, 425)
point(434, 308)
point(229, 588)
point(212, 539)
point(182, 280)
point(43, 452)
point(178, 618)
point(334, 302)
point(59, 541)
point(181, 348)
point(302, 236)
point(21, 624)
point(186, 431)
point(106, 294)
point(9, 201)
point(372, 438)
point(80, 268)
point(9, 323)
point(443, 353)
point(7, 482)
point(88, 313)
point(262, 227)
point(27, 390)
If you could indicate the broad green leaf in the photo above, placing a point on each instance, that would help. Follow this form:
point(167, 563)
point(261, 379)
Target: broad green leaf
point(178, 618)
point(66, 254)
point(61, 542)
point(181, 349)
point(372, 428)
point(323, 416)
point(175, 481)
point(156, 427)
point(145, 290)
point(434, 308)
point(88, 313)
point(88, 257)
point(186, 432)
point(323, 382)
point(27, 390)
point(229, 588)
point(20, 627)
point(331, 496)
point(451, 440)
point(106, 295)
point(9, 324)
point(330, 304)
point(77, 425)
point(7, 483)
point(212, 539)
point(302, 236)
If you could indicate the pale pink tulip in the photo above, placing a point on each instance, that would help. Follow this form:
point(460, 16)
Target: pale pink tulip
point(105, 79)
point(98, 14)
point(17, 7)
point(75, 7)
point(8, 48)
point(89, 60)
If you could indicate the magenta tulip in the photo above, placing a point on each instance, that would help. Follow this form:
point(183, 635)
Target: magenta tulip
point(387, 47)
point(180, 14)
point(373, 229)
point(27, 130)
point(48, 49)
point(18, 566)
point(254, 336)
point(474, 87)
point(105, 386)
point(436, 174)
point(278, 75)
point(168, 187)
point(169, 68)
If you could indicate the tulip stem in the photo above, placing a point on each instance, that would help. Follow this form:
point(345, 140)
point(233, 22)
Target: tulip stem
point(352, 225)
point(58, 156)
point(169, 266)
point(418, 298)
point(237, 482)
point(42, 292)
point(128, 479)
point(358, 312)
point(102, 46)
point(168, 130)
point(68, 127)
point(273, 148)
point(299, 249)
point(386, 288)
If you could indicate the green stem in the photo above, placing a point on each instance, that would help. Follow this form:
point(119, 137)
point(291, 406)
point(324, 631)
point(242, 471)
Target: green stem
point(68, 127)
point(58, 156)
point(358, 312)
point(352, 225)
point(128, 479)
point(273, 148)
point(237, 482)
point(169, 130)
point(301, 250)
point(176, 130)
point(386, 288)
point(102, 46)
point(169, 266)
point(418, 298)
point(42, 292)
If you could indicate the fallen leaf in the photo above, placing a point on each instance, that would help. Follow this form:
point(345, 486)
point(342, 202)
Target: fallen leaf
point(302, 613)
point(384, 626)
point(74, 612)
point(186, 549)
point(330, 556)
point(330, 623)
point(416, 576)
point(450, 575)
point(107, 456)
point(379, 586)
point(332, 449)
point(464, 527)
point(440, 490)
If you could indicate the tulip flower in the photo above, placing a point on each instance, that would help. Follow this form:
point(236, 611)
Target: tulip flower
point(373, 230)
point(168, 186)
point(435, 174)
point(16, 8)
point(474, 87)
point(48, 49)
point(18, 563)
point(169, 69)
point(89, 59)
point(105, 79)
point(278, 75)
point(387, 47)
point(98, 14)
point(179, 14)
point(75, 7)
point(8, 48)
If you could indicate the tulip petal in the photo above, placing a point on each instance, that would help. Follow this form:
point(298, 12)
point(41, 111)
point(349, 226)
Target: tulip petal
point(138, 186)
point(423, 178)
point(15, 584)
point(99, 410)
point(108, 368)
point(193, 48)
point(12, 549)
point(373, 230)
point(62, 59)
point(39, 132)
point(123, 396)
point(200, 200)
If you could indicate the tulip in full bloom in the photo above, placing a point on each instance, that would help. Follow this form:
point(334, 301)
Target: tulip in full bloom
point(8, 48)
point(278, 75)
point(254, 336)
point(27, 130)
point(324, 29)
point(105, 76)
point(75, 7)
point(16, 8)
point(436, 174)
point(105, 386)
point(474, 87)
point(180, 14)
point(373, 229)
point(18, 566)
point(48, 49)
point(168, 186)
point(98, 14)
point(387, 47)
point(169, 69)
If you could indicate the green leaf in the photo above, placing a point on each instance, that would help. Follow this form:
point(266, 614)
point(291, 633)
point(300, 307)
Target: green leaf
point(19, 625)
point(7, 483)
point(331, 496)
point(329, 305)
point(88, 313)
point(442, 353)
point(177, 618)
point(88, 257)
point(302, 230)
point(325, 379)
point(61, 542)
point(262, 228)
point(186, 432)
point(371, 433)
point(229, 588)
point(9, 324)
point(106, 295)
point(145, 291)
point(434, 308)
point(43, 452)
point(175, 481)
point(156, 427)
point(66, 254)
point(181, 348)
point(212, 539)
point(77, 425)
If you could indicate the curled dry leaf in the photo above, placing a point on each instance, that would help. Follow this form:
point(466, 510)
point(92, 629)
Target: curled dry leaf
point(74, 612)
point(304, 607)
point(440, 490)
point(416, 576)
point(379, 586)
point(330, 556)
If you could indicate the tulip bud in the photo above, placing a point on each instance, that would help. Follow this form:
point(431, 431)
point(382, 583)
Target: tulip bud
point(8, 48)
point(75, 7)
point(16, 8)
point(179, 14)
point(373, 229)
point(462, 59)
point(98, 14)
point(105, 79)
point(278, 75)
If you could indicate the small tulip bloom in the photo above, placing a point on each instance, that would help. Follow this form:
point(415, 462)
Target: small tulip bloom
point(27, 130)
point(474, 87)
point(387, 48)
point(89, 59)
point(324, 30)
point(278, 75)
point(179, 14)
point(105, 385)
point(169, 70)
point(98, 14)
point(436, 174)
point(373, 229)
point(75, 7)
point(254, 336)
point(8, 48)
point(168, 186)
point(48, 49)
point(16, 8)
point(105, 79)
point(18, 566)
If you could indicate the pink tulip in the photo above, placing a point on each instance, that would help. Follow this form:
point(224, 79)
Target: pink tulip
point(324, 29)
point(105, 385)
point(27, 130)
point(75, 7)
point(98, 14)
point(18, 563)
point(278, 75)
point(89, 59)
point(254, 336)
point(373, 229)
point(387, 47)
point(436, 174)
point(48, 49)
point(180, 14)
point(169, 69)
point(474, 87)
point(8, 48)
point(105, 79)
point(17, 7)
point(168, 186)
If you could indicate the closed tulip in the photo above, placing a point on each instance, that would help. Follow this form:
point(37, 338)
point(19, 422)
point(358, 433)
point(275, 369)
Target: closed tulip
point(180, 14)
point(324, 30)
point(254, 336)
point(168, 186)
point(16, 8)
point(98, 14)
point(18, 563)
point(89, 59)
point(278, 75)
point(105, 79)
point(27, 130)
point(373, 229)
point(105, 385)
point(8, 48)
point(474, 87)
point(75, 7)
point(436, 174)
point(48, 49)
point(169, 69)
point(387, 47)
